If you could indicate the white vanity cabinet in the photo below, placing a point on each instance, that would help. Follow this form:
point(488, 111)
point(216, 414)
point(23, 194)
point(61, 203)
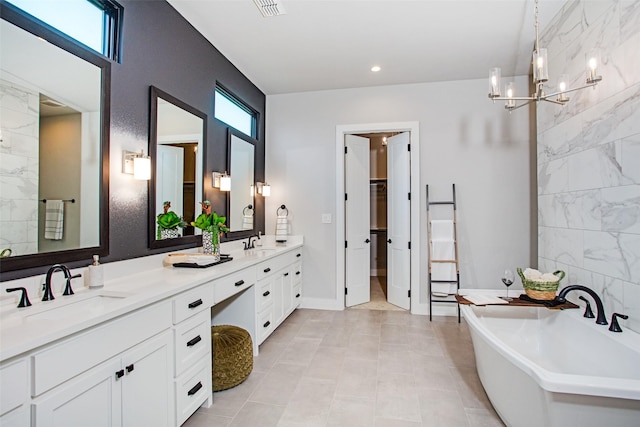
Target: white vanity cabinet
point(278, 291)
point(192, 347)
point(14, 393)
point(116, 374)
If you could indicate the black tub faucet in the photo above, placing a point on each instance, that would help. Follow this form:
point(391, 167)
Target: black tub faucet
point(587, 311)
point(601, 317)
point(615, 326)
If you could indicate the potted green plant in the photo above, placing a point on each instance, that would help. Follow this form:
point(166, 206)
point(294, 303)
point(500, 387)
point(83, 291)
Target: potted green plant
point(212, 226)
point(168, 223)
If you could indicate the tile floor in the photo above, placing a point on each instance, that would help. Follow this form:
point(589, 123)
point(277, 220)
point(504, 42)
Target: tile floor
point(357, 368)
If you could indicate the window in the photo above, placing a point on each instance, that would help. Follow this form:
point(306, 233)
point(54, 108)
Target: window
point(94, 23)
point(234, 113)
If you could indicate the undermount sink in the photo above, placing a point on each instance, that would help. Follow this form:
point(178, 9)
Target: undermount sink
point(259, 251)
point(79, 306)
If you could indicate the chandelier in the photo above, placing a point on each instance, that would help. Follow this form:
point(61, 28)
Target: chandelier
point(540, 77)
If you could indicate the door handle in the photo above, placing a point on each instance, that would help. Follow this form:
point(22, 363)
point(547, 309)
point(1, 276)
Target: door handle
point(367, 241)
point(195, 389)
point(194, 341)
point(119, 374)
point(239, 283)
point(388, 240)
point(195, 303)
point(129, 368)
point(266, 294)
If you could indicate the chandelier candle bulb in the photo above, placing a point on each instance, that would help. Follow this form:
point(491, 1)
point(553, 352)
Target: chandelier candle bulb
point(511, 91)
point(562, 87)
point(592, 65)
point(540, 70)
point(494, 80)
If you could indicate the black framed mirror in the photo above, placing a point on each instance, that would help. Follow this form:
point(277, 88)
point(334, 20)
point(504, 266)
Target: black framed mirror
point(64, 91)
point(177, 141)
point(241, 160)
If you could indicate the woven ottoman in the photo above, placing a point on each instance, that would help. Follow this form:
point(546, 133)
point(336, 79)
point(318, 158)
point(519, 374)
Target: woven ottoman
point(232, 356)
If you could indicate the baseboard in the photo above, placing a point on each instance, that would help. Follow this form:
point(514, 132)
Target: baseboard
point(321, 304)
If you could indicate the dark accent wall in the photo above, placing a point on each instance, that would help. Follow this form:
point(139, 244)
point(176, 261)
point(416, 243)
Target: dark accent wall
point(160, 48)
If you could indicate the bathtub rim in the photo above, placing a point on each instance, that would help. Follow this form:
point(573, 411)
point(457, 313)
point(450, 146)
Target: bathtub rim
point(619, 388)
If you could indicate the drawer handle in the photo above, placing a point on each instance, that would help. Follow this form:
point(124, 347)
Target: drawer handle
point(195, 303)
point(240, 283)
point(119, 374)
point(129, 368)
point(286, 274)
point(298, 255)
point(297, 273)
point(266, 325)
point(297, 295)
point(194, 341)
point(266, 270)
point(195, 389)
point(266, 294)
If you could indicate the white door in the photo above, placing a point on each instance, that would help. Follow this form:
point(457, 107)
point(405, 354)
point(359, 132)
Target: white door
point(170, 160)
point(398, 221)
point(357, 220)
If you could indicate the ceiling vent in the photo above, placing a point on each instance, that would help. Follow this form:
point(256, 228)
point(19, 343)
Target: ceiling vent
point(270, 7)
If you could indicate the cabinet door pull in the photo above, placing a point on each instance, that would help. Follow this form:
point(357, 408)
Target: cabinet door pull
point(297, 273)
point(266, 325)
point(194, 341)
point(297, 295)
point(195, 389)
point(195, 303)
point(286, 274)
point(266, 270)
point(266, 294)
point(240, 283)
point(129, 368)
point(298, 255)
point(119, 374)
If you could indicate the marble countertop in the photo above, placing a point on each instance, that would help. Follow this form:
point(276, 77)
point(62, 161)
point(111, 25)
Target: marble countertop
point(129, 285)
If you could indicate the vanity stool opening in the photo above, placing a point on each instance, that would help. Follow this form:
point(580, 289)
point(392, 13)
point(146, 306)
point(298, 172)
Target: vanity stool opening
point(232, 351)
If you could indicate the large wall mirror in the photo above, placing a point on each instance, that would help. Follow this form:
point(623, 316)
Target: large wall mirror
point(242, 155)
point(54, 104)
point(177, 140)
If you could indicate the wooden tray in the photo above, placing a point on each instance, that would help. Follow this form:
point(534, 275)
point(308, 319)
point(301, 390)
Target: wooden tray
point(522, 303)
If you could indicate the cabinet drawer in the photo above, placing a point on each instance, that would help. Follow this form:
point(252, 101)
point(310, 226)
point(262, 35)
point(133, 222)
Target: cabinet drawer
point(192, 340)
point(14, 382)
point(264, 298)
point(233, 283)
point(265, 324)
point(78, 353)
point(192, 389)
point(192, 302)
point(270, 266)
point(297, 273)
point(296, 296)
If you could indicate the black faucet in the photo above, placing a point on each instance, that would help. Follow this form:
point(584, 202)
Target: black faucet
point(601, 317)
point(24, 298)
point(587, 311)
point(48, 293)
point(250, 244)
point(615, 326)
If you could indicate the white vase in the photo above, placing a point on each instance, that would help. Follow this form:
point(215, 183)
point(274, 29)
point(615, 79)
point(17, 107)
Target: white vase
point(169, 234)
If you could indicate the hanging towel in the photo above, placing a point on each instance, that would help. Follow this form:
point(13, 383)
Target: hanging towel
point(54, 219)
point(442, 229)
point(247, 218)
point(282, 224)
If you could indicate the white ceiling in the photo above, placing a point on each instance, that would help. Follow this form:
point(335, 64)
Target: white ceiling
point(332, 44)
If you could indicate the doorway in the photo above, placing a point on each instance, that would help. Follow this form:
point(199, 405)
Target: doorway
point(381, 248)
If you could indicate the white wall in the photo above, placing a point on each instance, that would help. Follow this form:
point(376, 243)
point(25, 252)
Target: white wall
point(464, 139)
point(589, 156)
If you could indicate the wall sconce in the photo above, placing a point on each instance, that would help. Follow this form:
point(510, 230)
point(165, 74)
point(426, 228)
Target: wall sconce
point(136, 164)
point(263, 188)
point(222, 181)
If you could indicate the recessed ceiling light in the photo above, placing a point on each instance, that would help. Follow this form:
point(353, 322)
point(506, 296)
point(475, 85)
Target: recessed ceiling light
point(375, 68)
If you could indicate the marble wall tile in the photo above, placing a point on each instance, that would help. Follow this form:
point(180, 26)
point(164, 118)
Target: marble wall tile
point(13, 231)
point(18, 98)
point(553, 176)
point(630, 158)
point(626, 57)
point(575, 210)
point(12, 165)
point(621, 209)
point(631, 305)
point(564, 245)
point(560, 140)
point(596, 168)
point(24, 210)
point(629, 19)
point(615, 255)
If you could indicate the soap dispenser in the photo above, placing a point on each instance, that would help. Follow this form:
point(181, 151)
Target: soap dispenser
point(95, 274)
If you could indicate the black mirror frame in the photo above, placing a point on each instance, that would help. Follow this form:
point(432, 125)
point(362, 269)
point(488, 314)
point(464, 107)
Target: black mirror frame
point(155, 93)
point(22, 20)
point(240, 234)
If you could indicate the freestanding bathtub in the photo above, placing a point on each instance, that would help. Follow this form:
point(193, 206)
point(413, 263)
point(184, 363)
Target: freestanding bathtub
point(544, 367)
